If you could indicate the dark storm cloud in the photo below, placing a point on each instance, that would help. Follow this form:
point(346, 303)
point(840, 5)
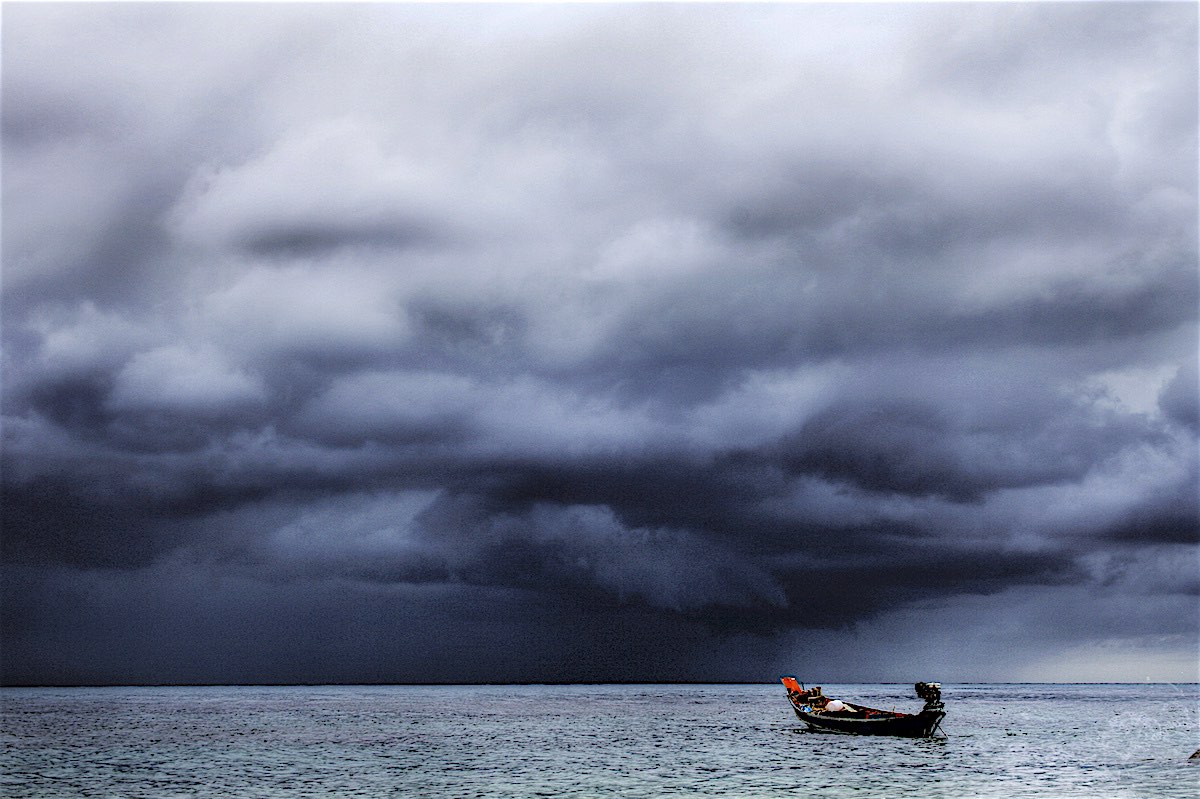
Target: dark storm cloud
point(1180, 399)
point(671, 332)
point(919, 449)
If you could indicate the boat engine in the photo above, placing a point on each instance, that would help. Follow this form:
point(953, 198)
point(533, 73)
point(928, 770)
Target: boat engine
point(931, 692)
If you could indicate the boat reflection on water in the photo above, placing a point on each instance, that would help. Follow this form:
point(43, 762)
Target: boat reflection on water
point(821, 713)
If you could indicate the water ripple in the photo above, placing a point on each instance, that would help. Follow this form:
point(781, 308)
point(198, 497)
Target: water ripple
point(1118, 742)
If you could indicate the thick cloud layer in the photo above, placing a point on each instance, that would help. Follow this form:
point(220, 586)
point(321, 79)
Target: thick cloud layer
point(374, 343)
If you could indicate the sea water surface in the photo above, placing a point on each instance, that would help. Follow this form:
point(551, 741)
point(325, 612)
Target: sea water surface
point(1109, 741)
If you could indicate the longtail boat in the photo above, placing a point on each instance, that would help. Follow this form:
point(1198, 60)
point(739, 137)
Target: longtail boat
point(824, 714)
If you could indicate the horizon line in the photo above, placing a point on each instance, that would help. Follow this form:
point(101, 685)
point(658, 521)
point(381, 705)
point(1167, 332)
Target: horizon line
point(555, 683)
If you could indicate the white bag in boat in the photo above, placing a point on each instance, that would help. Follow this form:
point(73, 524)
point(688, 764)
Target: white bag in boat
point(835, 705)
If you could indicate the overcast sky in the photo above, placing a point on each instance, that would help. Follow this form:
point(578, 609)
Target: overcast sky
point(633, 342)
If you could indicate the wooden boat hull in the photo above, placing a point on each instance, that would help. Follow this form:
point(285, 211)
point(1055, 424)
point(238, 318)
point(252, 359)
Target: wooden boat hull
point(917, 725)
point(819, 713)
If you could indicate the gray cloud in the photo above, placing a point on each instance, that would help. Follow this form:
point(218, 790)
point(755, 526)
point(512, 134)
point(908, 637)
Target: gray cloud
point(671, 333)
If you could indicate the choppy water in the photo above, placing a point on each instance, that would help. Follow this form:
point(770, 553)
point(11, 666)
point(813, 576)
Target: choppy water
point(606, 741)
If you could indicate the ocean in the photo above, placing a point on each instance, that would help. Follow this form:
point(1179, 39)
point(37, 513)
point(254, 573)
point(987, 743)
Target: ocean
point(1104, 741)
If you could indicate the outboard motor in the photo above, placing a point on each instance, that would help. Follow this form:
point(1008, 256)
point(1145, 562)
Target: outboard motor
point(931, 692)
